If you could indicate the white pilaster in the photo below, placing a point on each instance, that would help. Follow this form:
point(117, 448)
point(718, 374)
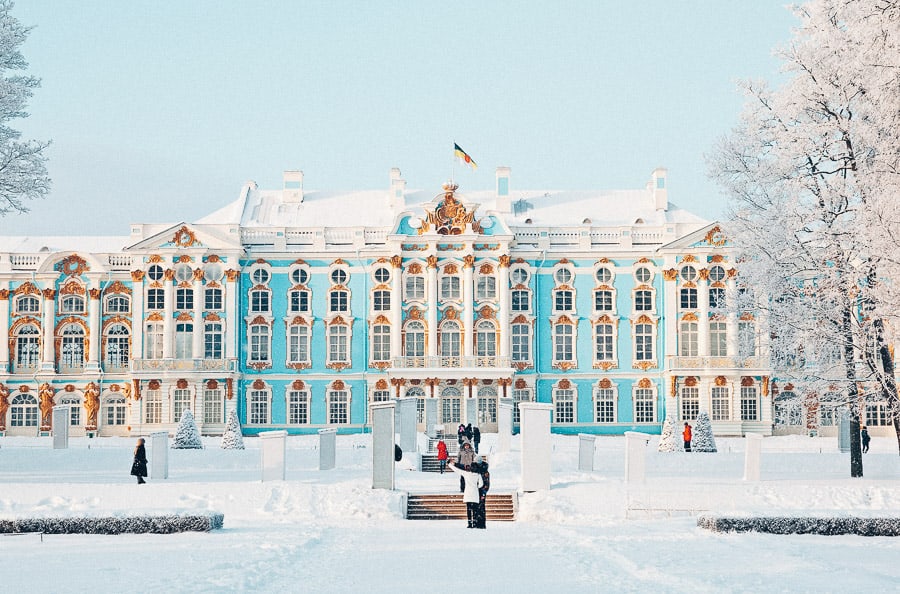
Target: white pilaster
point(94, 329)
point(4, 332)
point(168, 310)
point(137, 315)
point(670, 313)
point(197, 338)
point(468, 309)
point(431, 280)
point(503, 304)
point(231, 314)
point(731, 326)
point(396, 307)
point(703, 317)
point(47, 361)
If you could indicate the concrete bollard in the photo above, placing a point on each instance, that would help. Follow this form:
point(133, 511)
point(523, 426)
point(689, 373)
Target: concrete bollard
point(536, 445)
point(635, 456)
point(327, 448)
point(159, 456)
point(61, 427)
point(272, 453)
point(753, 456)
point(383, 445)
point(586, 445)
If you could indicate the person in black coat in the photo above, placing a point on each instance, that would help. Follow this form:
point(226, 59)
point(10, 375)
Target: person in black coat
point(469, 431)
point(139, 466)
point(865, 439)
point(481, 467)
point(476, 437)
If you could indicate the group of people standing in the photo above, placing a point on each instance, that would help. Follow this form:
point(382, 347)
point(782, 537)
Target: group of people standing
point(470, 434)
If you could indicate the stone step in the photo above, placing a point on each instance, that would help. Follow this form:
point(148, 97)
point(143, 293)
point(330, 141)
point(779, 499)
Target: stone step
point(445, 506)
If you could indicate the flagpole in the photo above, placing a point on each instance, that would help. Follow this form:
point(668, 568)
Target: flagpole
point(453, 163)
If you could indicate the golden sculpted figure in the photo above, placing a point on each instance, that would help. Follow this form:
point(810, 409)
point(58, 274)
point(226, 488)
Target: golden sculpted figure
point(46, 397)
point(4, 405)
point(91, 404)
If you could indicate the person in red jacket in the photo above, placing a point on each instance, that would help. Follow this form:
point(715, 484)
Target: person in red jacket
point(442, 454)
point(688, 435)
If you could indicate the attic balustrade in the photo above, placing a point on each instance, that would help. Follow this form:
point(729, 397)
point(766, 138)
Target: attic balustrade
point(715, 362)
point(184, 365)
point(450, 362)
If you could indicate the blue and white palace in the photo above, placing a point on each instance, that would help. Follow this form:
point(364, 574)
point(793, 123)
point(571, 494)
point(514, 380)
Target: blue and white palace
point(298, 309)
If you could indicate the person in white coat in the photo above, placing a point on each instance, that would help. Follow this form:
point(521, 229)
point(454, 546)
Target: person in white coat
point(470, 495)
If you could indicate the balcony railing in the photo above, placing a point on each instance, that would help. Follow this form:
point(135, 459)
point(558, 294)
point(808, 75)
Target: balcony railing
point(716, 362)
point(184, 365)
point(450, 362)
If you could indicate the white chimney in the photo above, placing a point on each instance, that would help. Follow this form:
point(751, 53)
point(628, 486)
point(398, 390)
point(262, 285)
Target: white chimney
point(293, 187)
point(503, 199)
point(658, 185)
point(398, 186)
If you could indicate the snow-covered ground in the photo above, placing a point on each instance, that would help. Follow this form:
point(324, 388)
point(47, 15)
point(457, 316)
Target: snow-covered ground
point(329, 531)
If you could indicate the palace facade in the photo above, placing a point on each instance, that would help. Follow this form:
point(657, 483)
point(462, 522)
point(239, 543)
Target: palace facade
point(298, 309)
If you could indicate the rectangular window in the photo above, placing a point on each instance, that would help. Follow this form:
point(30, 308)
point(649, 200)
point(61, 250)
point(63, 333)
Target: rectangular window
point(644, 406)
point(152, 406)
point(259, 407)
point(688, 298)
point(603, 300)
point(213, 408)
point(605, 405)
point(563, 301)
point(156, 299)
point(259, 301)
point(485, 288)
point(298, 407)
point(643, 342)
point(878, 414)
point(153, 341)
point(720, 404)
point(181, 401)
point(520, 395)
point(184, 341)
point(184, 299)
point(450, 409)
point(690, 403)
point(339, 301)
point(749, 404)
point(381, 343)
point(450, 288)
point(212, 300)
point(603, 343)
point(520, 300)
point(718, 339)
point(381, 300)
point(563, 343)
point(259, 343)
point(415, 288)
point(521, 342)
point(299, 301)
point(338, 407)
point(298, 344)
point(746, 339)
point(212, 340)
point(687, 340)
point(716, 297)
point(564, 406)
point(643, 301)
point(337, 344)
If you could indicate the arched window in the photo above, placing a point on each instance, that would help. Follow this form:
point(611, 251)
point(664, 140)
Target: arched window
point(451, 400)
point(74, 404)
point(414, 339)
point(485, 339)
point(153, 340)
point(419, 395)
point(28, 349)
point(71, 355)
point(23, 411)
point(450, 343)
point(112, 410)
point(27, 304)
point(117, 304)
point(259, 403)
point(381, 342)
point(487, 405)
point(72, 304)
point(117, 347)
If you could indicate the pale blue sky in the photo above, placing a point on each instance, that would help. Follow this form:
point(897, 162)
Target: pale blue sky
point(160, 111)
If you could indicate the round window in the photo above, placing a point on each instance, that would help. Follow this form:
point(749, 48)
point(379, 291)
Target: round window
point(261, 276)
point(716, 273)
point(603, 275)
point(382, 275)
point(643, 274)
point(299, 276)
point(183, 273)
point(339, 276)
point(155, 272)
point(213, 272)
point(563, 276)
point(689, 273)
point(519, 276)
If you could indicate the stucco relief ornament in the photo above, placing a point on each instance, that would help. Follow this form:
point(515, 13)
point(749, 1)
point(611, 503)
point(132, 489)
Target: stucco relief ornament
point(184, 237)
point(450, 216)
point(716, 237)
point(72, 265)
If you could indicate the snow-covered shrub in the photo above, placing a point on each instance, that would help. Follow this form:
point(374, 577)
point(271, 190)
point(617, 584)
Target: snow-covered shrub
point(188, 436)
point(825, 526)
point(167, 524)
point(702, 438)
point(668, 439)
point(232, 439)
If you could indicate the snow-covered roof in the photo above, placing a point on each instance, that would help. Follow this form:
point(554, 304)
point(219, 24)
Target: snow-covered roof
point(95, 244)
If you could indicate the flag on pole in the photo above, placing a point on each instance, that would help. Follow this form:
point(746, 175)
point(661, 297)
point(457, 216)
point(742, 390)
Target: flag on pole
point(464, 156)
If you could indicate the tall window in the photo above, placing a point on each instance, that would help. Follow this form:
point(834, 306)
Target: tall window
point(521, 342)
point(298, 407)
point(643, 342)
point(381, 342)
point(338, 407)
point(485, 288)
point(212, 299)
point(212, 340)
point(153, 340)
point(746, 339)
point(687, 339)
point(415, 288)
point(381, 300)
point(117, 346)
point(116, 304)
point(603, 300)
point(184, 299)
point(213, 406)
point(564, 406)
point(644, 405)
point(688, 298)
point(114, 410)
point(564, 300)
point(450, 405)
point(718, 341)
point(520, 395)
point(298, 344)
point(486, 411)
point(450, 288)
point(338, 343)
point(72, 347)
point(153, 406)
point(603, 343)
point(414, 339)
point(720, 404)
point(259, 343)
point(181, 401)
point(184, 336)
point(563, 342)
point(690, 403)
point(716, 297)
point(604, 405)
point(23, 411)
point(485, 339)
point(749, 403)
point(643, 300)
point(156, 299)
point(260, 301)
point(259, 407)
point(28, 351)
point(520, 300)
point(450, 342)
point(298, 301)
point(338, 301)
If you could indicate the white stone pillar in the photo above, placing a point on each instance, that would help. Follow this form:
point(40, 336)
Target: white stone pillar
point(468, 309)
point(197, 338)
point(432, 296)
point(752, 456)
point(396, 307)
point(4, 331)
point(137, 314)
point(168, 310)
point(94, 329)
point(536, 445)
point(47, 361)
point(503, 305)
point(670, 312)
point(231, 313)
point(703, 316)
point(731, 326)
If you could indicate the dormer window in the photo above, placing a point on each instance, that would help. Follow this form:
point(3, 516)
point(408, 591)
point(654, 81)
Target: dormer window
point(72, 304)
point(28, 304)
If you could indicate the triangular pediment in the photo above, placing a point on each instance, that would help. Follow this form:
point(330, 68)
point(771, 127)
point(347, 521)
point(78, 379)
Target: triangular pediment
point(186, 236)
point(709, 236)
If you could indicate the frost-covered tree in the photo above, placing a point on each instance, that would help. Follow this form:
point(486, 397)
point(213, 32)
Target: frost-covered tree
point(187, 437)
point(232, 439)
point(668, 438)
point(813, 171)
point(702, 437)
point(23, 171)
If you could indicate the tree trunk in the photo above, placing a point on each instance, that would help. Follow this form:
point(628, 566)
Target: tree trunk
point(856, 463)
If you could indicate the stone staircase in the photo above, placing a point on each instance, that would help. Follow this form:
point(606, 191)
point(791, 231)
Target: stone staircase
point(429, 457)
point(500, 507)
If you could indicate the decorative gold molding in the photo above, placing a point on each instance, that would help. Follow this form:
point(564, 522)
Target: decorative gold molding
point(645, 383)
point(73, 265)
point(504, 261)
point(721, 381)
point(715, 237)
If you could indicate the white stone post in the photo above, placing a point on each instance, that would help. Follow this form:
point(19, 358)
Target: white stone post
point(61, 416)
point(536, 445)
point(327, 448)
point(383, 445)
point(272, 451)
point(586, 452)
point(431, 416)
point(407, 408)
point(504, 424)
point(159, 457)
point(752, 457)
point(635, 456)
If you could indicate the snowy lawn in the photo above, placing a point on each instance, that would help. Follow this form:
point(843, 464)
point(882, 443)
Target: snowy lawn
point(329, 531)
